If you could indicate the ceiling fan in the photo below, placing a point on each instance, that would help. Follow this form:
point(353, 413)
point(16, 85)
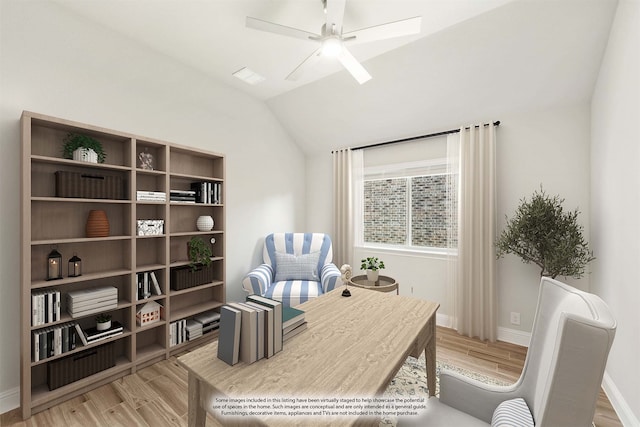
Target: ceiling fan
point(333, 41)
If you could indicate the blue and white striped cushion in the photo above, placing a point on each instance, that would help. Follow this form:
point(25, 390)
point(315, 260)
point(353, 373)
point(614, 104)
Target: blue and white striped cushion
point(294, 292)
point(512, 413)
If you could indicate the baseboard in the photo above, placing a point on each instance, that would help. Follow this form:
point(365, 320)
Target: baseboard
point(623, 410)
point(514, 336)
point(9, 400)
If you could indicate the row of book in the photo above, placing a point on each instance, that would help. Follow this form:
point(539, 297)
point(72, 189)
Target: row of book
point(55, 340)
point(147, 284)
point(182, 196)
point(207, 192)
point(93, 300)
point(257, 328)
point(45, 307)
point(151, 196)
point(49, 342)
point(184, 330)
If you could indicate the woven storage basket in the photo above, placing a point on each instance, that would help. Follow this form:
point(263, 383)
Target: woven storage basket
point(80, 365)
point(184, 277)
point(89, 186)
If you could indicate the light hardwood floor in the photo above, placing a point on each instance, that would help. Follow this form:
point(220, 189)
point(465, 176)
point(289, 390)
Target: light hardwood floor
point(157, 395)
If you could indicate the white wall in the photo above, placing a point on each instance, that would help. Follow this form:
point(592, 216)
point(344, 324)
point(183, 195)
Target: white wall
point(548, 148)
point(57, 64)
point(615, 200)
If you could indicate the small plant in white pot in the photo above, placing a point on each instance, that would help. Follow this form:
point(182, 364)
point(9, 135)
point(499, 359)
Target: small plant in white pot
point(372, 265)
point(103, 322)
point(83, 148)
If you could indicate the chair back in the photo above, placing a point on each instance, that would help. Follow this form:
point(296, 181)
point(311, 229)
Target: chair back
point(297, 244)
point(570, 342)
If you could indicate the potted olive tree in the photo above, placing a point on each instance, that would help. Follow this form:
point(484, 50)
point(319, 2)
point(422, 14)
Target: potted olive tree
point(541, 232)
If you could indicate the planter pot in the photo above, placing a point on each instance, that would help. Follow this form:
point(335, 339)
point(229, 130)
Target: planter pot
point(85, 155)
point(184, 277)
point(103, 326)
point(372, 275)
point(97, 224)
point(204, 223)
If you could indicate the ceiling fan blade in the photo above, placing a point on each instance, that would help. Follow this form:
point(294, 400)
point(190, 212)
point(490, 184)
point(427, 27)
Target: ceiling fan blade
point(304, 65)
point(335, 15)
point(270, 27)
point(353, 66)
point(404, 27)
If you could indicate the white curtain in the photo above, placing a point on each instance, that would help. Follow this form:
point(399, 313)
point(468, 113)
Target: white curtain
point(347, 178)
point(471, 158)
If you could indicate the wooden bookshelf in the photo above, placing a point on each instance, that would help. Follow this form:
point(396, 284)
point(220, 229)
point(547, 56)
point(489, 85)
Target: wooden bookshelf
point(51, 222)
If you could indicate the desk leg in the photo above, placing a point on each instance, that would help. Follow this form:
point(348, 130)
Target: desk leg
point(197, 414)
point(430, 356)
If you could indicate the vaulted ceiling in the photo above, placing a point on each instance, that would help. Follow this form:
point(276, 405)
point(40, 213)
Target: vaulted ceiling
point(473, 60)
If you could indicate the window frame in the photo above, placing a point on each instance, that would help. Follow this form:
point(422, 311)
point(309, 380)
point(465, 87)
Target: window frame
point(408, 171)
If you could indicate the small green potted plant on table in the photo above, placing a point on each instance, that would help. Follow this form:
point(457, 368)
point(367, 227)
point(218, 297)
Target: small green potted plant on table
point(372, 265)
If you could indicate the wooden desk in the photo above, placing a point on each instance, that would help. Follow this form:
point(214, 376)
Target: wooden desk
point(353, 347)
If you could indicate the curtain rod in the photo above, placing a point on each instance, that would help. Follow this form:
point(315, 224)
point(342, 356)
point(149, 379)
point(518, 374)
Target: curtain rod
point(431, 135)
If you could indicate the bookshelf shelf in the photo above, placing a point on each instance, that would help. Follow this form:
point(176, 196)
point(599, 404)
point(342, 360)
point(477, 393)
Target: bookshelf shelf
point(117, 260)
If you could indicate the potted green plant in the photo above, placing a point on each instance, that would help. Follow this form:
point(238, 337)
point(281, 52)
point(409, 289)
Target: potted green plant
point(199, 253)
point(103, 321)
point(542, 233)
point(372, 265)
point(83, 148)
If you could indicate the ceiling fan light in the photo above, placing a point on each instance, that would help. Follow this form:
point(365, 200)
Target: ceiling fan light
point(332, 47)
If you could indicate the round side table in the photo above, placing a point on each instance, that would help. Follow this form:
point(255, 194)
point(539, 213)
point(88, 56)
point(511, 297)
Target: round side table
point(383, 284)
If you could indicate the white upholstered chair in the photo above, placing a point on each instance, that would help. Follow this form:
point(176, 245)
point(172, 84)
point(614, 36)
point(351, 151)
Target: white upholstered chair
point(570, 342)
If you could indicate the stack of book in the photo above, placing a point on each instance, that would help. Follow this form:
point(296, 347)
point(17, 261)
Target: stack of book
point(147, 285)
point(293, 322)
point(256, 328)
point(194, 329)
point(207, 192)
point(89, 301)
point(210, 320)
point(182, 196)
point(45, 307)
point(49, 342)
point(151, 196)
point(91, 335)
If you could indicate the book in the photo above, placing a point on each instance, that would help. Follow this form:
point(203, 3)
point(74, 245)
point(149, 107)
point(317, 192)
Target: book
point(80, 333)
point(89, 294)
point(260, 333)
point(291, 316)
point(156, 285)
point(276, 306)
point(93, 332)
point(295, 331)
point(268, 327)
point(229, 338)
point(248, 333)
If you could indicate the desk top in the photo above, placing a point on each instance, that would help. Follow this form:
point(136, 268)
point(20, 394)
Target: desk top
point(353, 346)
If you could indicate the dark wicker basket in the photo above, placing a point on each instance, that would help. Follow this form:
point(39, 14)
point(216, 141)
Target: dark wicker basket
point(184, 277)
point(89, 186)
point(80, 365)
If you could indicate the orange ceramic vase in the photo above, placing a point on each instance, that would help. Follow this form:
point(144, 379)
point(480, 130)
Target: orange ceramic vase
point(97, 224)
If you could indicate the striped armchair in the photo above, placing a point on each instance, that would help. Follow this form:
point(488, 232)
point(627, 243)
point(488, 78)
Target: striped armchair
point(297, 267)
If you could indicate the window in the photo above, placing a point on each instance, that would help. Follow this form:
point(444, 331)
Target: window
point(405, 206)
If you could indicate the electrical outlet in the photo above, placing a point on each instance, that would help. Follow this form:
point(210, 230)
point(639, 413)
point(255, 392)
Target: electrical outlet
point(515, 318)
